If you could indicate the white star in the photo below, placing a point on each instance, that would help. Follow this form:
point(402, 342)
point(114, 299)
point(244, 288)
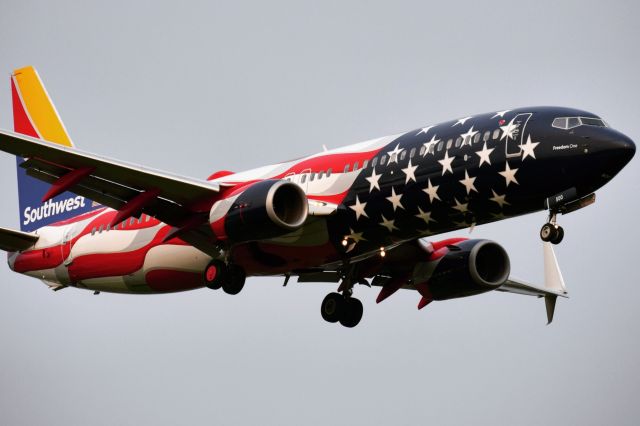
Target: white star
point(395, 199)
point(461, 207)
point(356, 236)
point(424, 130)
point(410, 171)
point(446, 163)
point(461, 121)
point(466, 137)
point(484, 155)
point(428, 145)
point(468, 182)
point(500, 199)
point(373, 180)
point(393, 155)
point(426, 216)
point(509, 174)
point(508, 130)
point(388, 224)
point(501, 113)
point(432, 191)
point(359, 207)
point(527, 148)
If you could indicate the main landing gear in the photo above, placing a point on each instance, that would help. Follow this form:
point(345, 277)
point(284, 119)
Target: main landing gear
point(343, 308)
point(229, 277)
point(551, 231)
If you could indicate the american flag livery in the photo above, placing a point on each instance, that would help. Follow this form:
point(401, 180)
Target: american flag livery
point(353, 215)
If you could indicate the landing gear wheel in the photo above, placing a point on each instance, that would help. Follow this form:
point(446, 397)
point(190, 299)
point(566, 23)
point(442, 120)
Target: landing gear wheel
point(235, 280)
point(559, 235)
point(332, 307)
point(353, 312)
point(215, 274)
point(547, 232)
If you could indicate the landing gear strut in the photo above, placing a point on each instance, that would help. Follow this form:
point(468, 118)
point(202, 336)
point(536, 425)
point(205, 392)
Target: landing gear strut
point(229, 277)
point(343, 308)
point(551, 231)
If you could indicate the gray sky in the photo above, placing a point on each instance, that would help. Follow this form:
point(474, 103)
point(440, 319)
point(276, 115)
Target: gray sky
point(233, 85)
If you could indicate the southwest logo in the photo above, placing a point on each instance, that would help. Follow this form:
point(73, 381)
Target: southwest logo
point(51, 208)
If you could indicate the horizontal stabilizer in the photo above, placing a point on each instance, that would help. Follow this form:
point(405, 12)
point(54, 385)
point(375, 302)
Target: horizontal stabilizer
point(11, 240)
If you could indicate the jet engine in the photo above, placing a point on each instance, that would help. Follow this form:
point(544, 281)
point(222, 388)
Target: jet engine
point(262, 210)
point(466, 268)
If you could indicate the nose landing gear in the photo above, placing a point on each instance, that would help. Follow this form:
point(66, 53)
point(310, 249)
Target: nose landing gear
point(551, 231)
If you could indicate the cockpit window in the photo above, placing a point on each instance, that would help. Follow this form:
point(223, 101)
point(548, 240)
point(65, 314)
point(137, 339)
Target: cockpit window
point(572, 122)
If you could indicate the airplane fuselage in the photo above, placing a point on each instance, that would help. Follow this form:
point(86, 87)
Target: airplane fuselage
point(388, 191)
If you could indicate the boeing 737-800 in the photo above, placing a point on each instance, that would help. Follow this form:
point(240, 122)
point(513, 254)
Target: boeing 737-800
point(362, 214)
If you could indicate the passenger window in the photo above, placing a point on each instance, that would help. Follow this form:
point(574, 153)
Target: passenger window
point(383, 160)
point(496, 133)
point(476, 138)
point(449, 143)
point(346, 168)
point(148, 218)
point(93, 230)
point(303, 178)
point(432, 149)
point(412, 153)
point(312, 176)
point(355, 166)
point(365, 164)
point(108, 227)
point(139, 220)
point(422, 150)
point(328, 172)
point(374, 162)
point(100, 229)
point(440, 145)
point(458, 142)
point(320, 174)
point(132, 221)
point(486, 136)
point(403, 154)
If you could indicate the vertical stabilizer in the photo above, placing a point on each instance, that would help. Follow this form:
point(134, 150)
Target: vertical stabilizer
point(35, 115)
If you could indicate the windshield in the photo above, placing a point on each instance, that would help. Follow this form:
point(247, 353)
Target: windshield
point(572, 122)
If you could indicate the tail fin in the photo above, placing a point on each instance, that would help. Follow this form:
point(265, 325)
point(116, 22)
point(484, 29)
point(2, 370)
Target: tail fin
point(35, 115)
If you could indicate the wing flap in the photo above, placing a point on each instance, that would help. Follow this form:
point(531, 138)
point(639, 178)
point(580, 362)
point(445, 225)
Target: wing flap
point(11, 240)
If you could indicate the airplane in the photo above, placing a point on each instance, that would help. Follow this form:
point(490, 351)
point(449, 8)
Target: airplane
point(364, 214)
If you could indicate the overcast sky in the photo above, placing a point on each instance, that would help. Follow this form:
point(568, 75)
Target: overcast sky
point(233, 85)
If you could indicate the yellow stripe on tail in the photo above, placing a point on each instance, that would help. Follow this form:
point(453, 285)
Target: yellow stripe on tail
point(39, 108)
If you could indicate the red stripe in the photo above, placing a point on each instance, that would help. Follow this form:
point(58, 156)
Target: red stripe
point(21, 122)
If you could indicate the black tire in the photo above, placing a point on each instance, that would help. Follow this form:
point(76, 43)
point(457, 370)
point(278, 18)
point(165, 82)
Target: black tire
point(215, 274)
point(353, 313)
point(559, 235)
point(332, 307)
point(548, 232)
point(235, 280)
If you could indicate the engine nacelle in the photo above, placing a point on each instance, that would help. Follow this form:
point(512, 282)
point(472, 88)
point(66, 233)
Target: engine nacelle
point(262, 210)
point(467, 268)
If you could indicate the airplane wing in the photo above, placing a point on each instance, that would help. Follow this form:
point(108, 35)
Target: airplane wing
point(173, 199)
point(11, 240)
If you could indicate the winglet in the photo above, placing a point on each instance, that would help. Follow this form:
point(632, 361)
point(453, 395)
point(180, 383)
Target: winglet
point(553, 280)
point(34, 112)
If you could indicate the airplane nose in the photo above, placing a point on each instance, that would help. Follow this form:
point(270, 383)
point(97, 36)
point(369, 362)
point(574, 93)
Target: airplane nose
point(617, 153)
point(623, 149)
